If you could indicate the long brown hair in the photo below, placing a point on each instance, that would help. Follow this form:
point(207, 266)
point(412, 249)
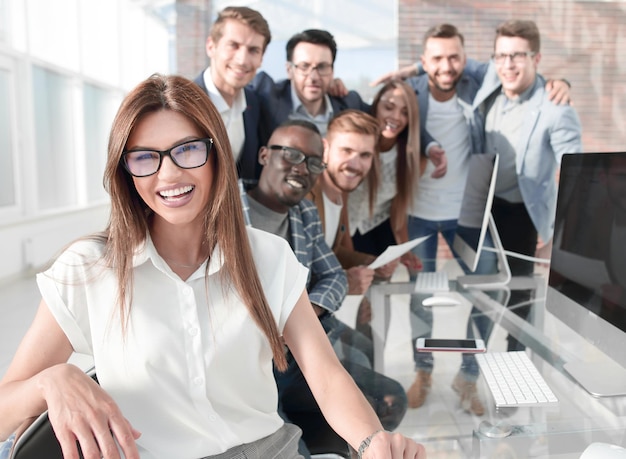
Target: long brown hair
point(408, 147)
point(224, 223)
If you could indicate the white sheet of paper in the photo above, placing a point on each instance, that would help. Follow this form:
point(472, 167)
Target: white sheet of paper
point(394, 251)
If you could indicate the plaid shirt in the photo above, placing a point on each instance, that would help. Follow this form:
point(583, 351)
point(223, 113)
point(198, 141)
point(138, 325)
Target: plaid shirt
point(327, 284)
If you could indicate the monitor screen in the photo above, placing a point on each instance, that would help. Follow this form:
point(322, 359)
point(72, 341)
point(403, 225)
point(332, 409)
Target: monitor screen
point(587, 280)
point(473, 220)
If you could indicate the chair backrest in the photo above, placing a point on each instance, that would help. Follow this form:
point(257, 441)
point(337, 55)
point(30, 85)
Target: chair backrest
point(321, 440)
point(37, 441)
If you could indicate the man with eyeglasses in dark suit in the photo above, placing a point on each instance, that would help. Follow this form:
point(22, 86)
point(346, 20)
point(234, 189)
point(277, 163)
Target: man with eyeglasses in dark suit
point(304, 94)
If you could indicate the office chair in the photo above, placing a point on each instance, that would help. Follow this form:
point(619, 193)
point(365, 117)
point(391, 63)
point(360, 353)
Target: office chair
point(37, 441)
point(321, 440)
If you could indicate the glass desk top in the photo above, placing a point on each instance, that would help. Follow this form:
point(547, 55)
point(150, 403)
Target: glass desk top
point(560, 431)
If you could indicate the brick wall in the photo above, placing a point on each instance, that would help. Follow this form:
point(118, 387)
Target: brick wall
point(580, 42)
point(193, 22)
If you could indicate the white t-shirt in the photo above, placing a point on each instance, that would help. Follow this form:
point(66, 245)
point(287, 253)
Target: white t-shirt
point(358, 199)
point(440, 199)
point(332, 216)
point(186, 373)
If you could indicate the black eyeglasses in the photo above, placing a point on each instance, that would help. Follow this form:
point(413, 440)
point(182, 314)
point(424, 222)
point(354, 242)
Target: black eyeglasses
point(186, 155)
point(304, 68)
point(295, 157)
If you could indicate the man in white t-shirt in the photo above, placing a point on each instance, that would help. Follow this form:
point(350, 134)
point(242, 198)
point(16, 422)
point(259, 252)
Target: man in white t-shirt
point(445, 96)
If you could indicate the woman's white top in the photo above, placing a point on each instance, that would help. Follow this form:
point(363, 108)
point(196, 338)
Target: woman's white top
point(194, 372)
point(358, 199)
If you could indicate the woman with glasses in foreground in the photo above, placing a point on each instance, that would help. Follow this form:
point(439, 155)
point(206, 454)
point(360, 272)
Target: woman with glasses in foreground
point(182, 326)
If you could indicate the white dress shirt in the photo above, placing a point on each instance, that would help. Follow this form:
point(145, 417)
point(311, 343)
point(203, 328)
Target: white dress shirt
point(194, 372)
point(231, 115)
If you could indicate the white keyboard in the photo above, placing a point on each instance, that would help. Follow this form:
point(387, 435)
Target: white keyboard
point(432, 282)
point(514, 380)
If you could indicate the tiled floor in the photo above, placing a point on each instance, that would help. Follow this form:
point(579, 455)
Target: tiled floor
point(436, 424)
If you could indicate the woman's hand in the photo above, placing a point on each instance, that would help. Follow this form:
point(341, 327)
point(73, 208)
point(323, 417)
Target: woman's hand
point(386, 271)
point(412, 262)
point(81, 411)
point(387, 445)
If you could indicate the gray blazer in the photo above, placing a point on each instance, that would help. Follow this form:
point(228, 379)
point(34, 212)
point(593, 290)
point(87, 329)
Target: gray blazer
point(549, 132)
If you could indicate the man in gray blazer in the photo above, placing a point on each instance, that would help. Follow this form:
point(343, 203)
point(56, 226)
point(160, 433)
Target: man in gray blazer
point(530, 134)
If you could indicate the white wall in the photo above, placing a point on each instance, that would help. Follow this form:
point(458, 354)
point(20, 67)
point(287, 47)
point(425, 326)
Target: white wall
point(94, 52)
point(29, 244)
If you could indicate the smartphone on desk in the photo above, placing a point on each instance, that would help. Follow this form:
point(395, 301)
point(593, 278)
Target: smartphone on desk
point(450, 345)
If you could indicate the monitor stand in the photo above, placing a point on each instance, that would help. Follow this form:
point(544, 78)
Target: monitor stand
point(604, 378)
point(490, 281)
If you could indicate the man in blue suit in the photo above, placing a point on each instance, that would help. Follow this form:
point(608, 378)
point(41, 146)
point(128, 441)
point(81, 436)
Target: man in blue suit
point(304, 95)
point(235, 45)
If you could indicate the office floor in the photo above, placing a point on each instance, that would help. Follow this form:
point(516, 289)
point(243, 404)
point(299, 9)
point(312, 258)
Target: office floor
point(436, 424)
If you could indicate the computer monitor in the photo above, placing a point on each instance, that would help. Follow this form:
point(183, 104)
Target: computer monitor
point(475, 221)
point(587, 280)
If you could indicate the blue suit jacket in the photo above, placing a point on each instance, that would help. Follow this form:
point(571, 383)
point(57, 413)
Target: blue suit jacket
point(248, 167)
point(549, 131)
point(276, 103)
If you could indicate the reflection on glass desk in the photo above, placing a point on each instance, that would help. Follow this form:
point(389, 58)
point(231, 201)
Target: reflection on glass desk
point(559, 431)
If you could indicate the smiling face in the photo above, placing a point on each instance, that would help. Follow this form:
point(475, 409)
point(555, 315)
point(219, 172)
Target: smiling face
point(236, 57)
point(443, 60)
point(177, 196)
point(348, 157)
point(392, 113)
point(283, 185)
point(516, 76)
point(313, 87)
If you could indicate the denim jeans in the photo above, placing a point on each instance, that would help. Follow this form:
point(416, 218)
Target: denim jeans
point(421, 318)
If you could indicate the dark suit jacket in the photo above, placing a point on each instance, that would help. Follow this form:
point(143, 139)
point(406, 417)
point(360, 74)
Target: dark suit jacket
point(276, 103)
point(248, 167)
